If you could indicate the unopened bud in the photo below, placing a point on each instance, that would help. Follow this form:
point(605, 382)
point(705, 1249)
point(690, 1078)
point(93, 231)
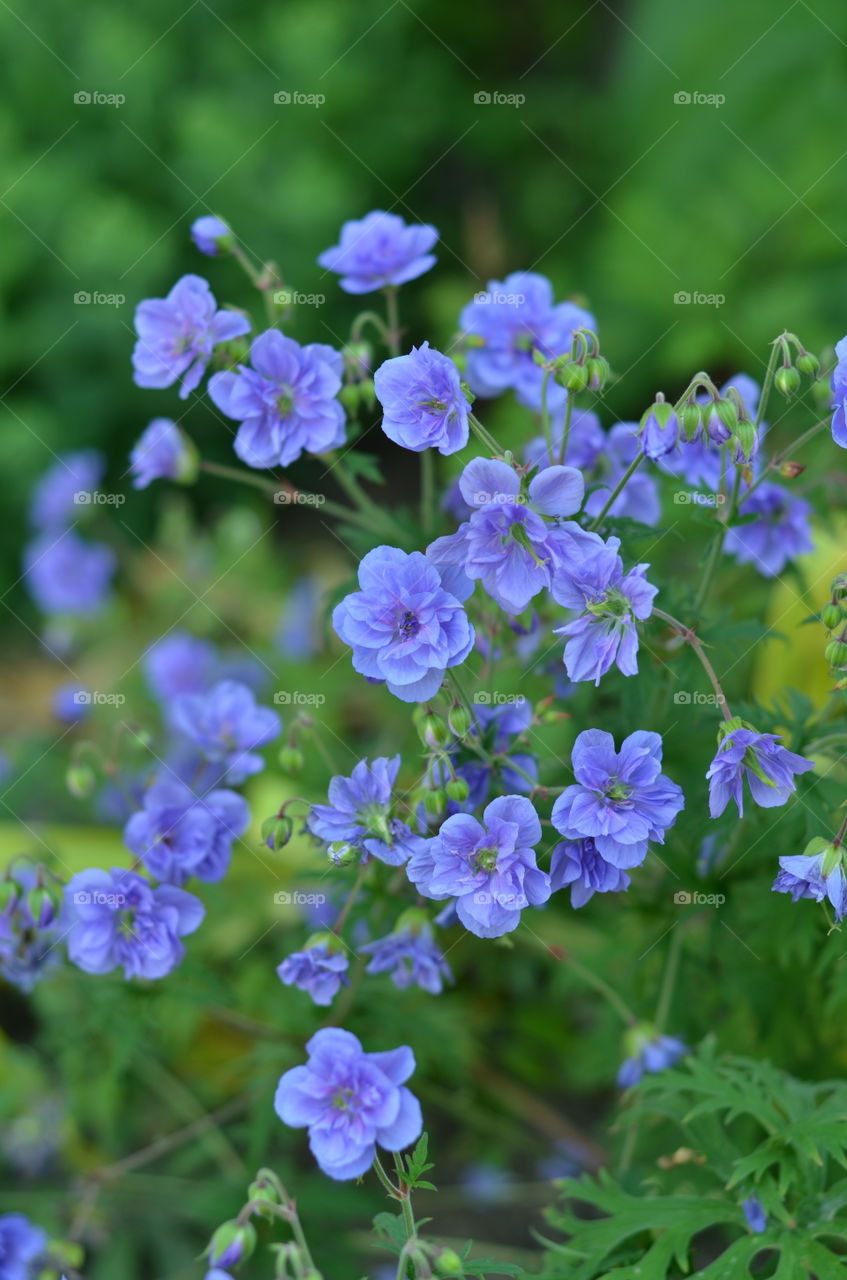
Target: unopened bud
point(573, 377)
point(791, 470)
point(598, 372)
point(448, 1263)
point(81, 780)
point(291, 759)
point(727, 412)
point(41, 904)
point(786, 381)
point(808, 364)
point(831, 615)
point(277, 831)
point(232, 1243)
point(459, 720)
point(691, 420)
point(434, 802)
point(342, 854)
point(457, 789)
point(433, 731)
point(836, 654)
point(745, 436)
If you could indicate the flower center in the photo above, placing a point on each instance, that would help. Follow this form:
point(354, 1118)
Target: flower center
point(342, 1099)
point(486, 859)
point(613, 604)
point(408, 624)
point(617, 790)
point(285, 402)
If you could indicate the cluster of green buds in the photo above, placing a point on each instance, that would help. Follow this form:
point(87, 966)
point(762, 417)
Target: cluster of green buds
point(795, 362)
point(694, 414)
point(584, 369)
point(40, 900)
point(439, 732)
point(235, 1241)
point(834, 618)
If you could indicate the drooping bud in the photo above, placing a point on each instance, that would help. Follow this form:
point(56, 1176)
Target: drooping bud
point(80, 780)
point(434, 802)
point(746, 437)
point(727, 412)
point(831, 615)
point(572, 376)
point(433, 731)
point(836, 654)
point(808, 364)
point(459, 720)
point(786, 381)
point(690, 420)
point(42, 905)
point(233, 1242)
point(448, 1263)
point(291, 759)
point(277, 831)
point(658, 428)
point(457, 789)
point(598, 372)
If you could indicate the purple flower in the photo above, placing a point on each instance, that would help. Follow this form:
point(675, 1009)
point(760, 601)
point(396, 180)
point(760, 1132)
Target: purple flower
point(380, 250)
point(116, 919)
point(179, 663)
point(177, 334)
point(411, 956)
point(402, 625)
point(621, 800)
point(318, 971)
point(66, 574)
point(609, 602)
point(177, 835)
point(817, 873)
point(298, 633)
point(580, 864)
point(698, 461)
point(648, 1052)
point(514, 318)
point(754, 1212)
point(162, 452)
point(20, 1245)
point(658, 430)
point(639, 499)
point(53, 497)
point(422, 401)
point(780, 534)
point(285, 400)
point(29, 931)
point(210, 235)
point(508, 543)
point(350, 1100)
point(227, 726)
point(489, 867)
point(768, 767)
point(360, 813)
point(71, 703)
point(839, 395)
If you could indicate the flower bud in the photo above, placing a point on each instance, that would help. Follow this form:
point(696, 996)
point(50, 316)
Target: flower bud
point(448, 1263)
point(459, 720)
point(727, 412)
point(457, 789)
point(291, 759)
point(80, 780)
point(261, 1189)
point(831, 615)
point(41, 904)
point(433, 731)
point(808, 364)
point(791, 470)
point(9, 891)
point(573, 377)
point(277, 831)
point(434, 802)
point(690, 420)
point(786, 381)
point(746, 437)
point(598, 372)
point(836, 654)
point(342, 854)
point(232, 1243)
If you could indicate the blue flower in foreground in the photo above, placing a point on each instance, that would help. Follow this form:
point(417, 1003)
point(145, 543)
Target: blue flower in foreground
point(52, 504)
point(177, 835)
point(117, 920)
point(489, 867)
point(513, 318)
point(177, 335)
point(227, 726)
point(580, 865)
point(210, 235)
point(621, 800)
point(647, 1051)
point(817, 873)
point(423, 404)
point(610, 602)
point(286, 400)
point(66, 574)
point(317, 970)
point(781, 532)
point(359, 813)
point(754, 1212)
point(350, 1101)
point(839, 395)
point(658, 430)
point(162, 452)
point(379, 250)
point(179, 663)
point(402, 626)
point(20, 1245)
point(760, 758)
point(410, 955)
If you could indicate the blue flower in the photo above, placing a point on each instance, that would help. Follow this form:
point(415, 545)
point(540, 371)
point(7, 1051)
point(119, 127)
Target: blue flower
point(410, 955)
point(210, 235)
point(514, 318)
point(817, 873)
point(286, 400)
point(403, 626)
point(489, 867)
point(379, 250)
point(648, 1052)
point(839, 395)
point(162, 452)
point(760, 758)
point(781, 533)
point(177, 835)
point(609, 602)
point(580, 864)
point(66, 574)
point(508, 543)
point(639, 498)
point(658, 430)
point(29, 931)
point(227, 726)
point(21, 1243)
point(423, 404)
point(53, 498)
point(317, 970)
point(179, 663)
point(71, 703)
point(117, 920)
point(177, 335)
point(621, 800)
point(350, 1101)
point(359, 813)
point(754, 1212)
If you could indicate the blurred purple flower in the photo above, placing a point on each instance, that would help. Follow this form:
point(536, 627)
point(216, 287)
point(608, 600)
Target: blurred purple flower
point(379, 250)
point(227, 726)
point(65, 574)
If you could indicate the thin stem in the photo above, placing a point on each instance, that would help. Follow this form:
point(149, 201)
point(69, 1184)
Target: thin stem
point(669, 980)
point(243, 477)
point(716, 549)
point(776, 463)
point(618, 489)
point(384, 1178)
point(840, 834)
point(376, 515)
point(608, 993)
point(283, 486)
point(365, 318)
point(392, 335)
point(566, 429)
point(545, 413)
point(427, 489)
point(484, 436)
point(690, 637)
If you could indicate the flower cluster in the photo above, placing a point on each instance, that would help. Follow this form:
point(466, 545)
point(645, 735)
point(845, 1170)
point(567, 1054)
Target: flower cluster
point(360, 814)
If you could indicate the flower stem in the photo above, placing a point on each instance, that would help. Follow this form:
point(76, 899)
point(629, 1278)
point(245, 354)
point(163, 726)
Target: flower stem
point(392, 333)
point(545, 413)
point(566, 429)
point(283, 486)
point(776, 463)
point(376, 517)
point(690, 637)
point(618, 489)
point(427, 490)
point(484, 436)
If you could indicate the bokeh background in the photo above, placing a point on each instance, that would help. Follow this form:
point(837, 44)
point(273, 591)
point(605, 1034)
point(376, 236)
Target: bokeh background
point(597, 175)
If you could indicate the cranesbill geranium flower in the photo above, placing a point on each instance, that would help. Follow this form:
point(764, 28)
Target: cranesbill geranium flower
point(162, 452)
point(350, 1101)
point(621, 800)
point(402, 625)
point(319, 970)
point(489, 867)
point(179, 663)
point(177, 335)
point(512, 319)
point(816, 873)
point(359, 813)
point(210, 234)
point(20, 1245)
point(423, 404)
point(378, 250)
point(285, 399)
point(29, 930)
point(227, 726)
point(66, 574)
point(648, 1051)
point(839, 395)
point(760, 758)
point(177, 835)
point(410, 955)
point(54, 498)
point(117, 920)
point(610, 601)
point(781, 532)
point(580, 865)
